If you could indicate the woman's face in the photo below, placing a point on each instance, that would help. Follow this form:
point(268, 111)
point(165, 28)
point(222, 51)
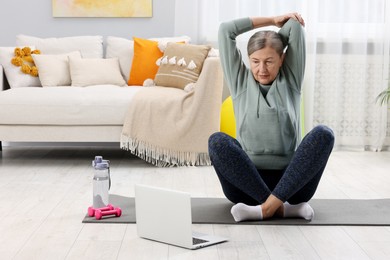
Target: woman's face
point(265, 64)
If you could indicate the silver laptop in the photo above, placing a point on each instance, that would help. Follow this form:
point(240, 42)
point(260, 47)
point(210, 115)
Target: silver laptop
point(165, 216)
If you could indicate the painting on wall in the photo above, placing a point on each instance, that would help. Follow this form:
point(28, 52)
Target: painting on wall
point(102, 8)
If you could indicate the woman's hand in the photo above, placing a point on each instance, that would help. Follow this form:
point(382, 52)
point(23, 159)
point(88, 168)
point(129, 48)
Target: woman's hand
point(279, 21)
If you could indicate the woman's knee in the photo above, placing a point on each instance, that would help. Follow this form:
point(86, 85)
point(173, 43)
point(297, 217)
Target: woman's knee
point(214, 138)
point(216, 141)
point(324, 133)
point(219, 139)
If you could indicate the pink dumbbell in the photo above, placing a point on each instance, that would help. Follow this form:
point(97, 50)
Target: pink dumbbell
point(99, 214)
point(92, 210)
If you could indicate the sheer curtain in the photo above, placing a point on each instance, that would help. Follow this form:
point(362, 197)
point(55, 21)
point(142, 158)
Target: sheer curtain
point(347, 58)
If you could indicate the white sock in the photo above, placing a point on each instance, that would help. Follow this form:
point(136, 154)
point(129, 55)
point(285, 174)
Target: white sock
point(242, 212)
point(301, 210)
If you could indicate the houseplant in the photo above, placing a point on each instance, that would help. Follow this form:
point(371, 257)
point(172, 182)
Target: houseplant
point(384, 96)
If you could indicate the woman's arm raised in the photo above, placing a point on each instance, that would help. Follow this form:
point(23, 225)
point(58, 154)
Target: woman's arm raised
point(277, 21)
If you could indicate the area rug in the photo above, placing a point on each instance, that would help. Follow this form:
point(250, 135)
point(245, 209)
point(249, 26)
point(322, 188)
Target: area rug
point(333, 212)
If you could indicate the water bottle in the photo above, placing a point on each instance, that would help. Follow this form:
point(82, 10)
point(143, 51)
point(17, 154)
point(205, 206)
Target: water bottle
point(101, 182)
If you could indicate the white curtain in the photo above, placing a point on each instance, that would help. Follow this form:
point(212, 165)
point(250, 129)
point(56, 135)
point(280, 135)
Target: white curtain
point(347, 58)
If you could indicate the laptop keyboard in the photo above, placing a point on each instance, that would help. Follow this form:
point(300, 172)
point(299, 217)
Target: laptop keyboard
point(196, 241)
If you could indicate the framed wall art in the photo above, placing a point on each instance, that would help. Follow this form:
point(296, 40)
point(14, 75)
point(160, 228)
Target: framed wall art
point(102, 8)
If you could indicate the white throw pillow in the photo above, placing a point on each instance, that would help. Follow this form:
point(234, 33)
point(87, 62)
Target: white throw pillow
point(123, 49)
point(87, 72)
point(89, 46)
point(16, 78)
point(54, 69)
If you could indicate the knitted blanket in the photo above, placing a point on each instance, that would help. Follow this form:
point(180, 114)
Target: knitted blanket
point(169, 126)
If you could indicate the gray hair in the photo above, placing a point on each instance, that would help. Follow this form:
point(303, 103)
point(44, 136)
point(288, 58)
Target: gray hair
point(262, 39)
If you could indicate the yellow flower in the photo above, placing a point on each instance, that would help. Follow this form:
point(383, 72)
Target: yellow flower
point(19, 52)
point(24, 60)
point(34, 71)
point(28, 59)
point(17, 61)
point(26, 68)
point(27, 51)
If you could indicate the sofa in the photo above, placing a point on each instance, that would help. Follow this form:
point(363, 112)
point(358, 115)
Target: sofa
point(88, 87)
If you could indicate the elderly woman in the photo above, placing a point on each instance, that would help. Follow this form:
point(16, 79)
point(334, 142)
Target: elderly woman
point(268, 171)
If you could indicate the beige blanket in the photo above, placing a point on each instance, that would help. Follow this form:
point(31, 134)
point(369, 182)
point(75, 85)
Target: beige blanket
point(169, 126)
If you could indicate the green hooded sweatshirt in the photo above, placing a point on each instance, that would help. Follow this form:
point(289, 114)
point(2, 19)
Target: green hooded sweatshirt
point(267, 127)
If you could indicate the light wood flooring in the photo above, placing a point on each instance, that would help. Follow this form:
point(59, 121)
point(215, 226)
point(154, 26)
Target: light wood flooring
point(45, 192)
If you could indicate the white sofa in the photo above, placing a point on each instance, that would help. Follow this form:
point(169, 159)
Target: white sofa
point(85, 114)
point(64, 114)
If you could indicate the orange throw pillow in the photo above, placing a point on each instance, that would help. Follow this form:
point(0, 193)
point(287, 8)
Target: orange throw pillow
point(146, 53)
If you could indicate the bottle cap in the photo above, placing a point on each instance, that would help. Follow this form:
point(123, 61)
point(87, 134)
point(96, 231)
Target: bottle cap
point(106, 161)
point(102, 166)
point(98, 159)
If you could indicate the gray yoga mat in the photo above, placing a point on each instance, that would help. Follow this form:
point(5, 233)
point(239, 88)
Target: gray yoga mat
point(333, 212)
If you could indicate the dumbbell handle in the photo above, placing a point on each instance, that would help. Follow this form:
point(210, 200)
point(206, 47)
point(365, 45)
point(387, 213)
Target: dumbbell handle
point(99, 214)
point(92, 210)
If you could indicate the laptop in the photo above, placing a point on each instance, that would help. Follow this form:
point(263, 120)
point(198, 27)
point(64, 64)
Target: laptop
point(165, 215)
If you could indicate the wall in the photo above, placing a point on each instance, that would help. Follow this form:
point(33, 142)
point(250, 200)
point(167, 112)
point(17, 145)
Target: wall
point(35, 18)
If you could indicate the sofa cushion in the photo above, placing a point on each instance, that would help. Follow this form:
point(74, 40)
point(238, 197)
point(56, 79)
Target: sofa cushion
point(163, 41)
point(95, 105)
point(123, 49)
point(89, 46)
point(143, 67)
point(88, 72)
point(16, 78)
point(54, 69)
point(181, 65)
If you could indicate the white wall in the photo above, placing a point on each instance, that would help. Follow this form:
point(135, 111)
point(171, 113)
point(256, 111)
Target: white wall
point(35, 18)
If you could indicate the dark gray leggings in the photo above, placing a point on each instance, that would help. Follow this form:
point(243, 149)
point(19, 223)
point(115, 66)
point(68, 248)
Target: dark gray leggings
point(242, 182)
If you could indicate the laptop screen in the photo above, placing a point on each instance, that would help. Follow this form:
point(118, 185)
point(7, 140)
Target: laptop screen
point(163, 215)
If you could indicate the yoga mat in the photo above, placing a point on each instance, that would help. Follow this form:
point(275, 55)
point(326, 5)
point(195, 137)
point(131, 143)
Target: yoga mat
point(333, 212)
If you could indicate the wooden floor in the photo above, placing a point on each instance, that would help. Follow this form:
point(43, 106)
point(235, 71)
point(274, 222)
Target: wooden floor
point(45, 193)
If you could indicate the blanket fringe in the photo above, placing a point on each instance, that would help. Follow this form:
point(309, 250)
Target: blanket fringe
point(163, 157)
